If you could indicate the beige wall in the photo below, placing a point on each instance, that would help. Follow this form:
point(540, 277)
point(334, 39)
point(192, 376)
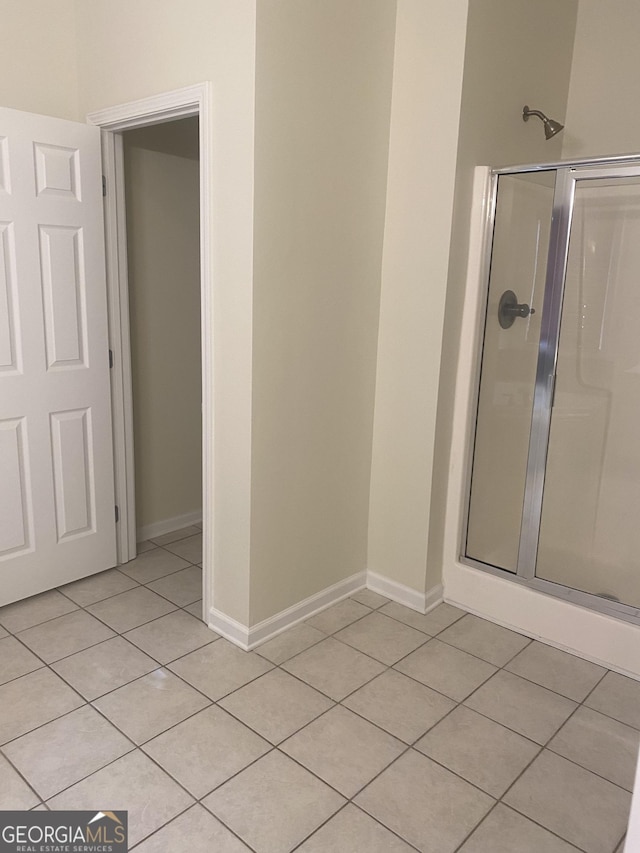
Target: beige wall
point(602, 113)
point(429, 54)
point(38, 71)
point(301, 96)
point(517, 52)
point(162, 208)
point(323, 91)
point(130, 50)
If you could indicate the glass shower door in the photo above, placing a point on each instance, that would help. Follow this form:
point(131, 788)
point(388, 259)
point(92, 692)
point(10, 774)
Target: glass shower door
point(589, 535)
point(520, 247)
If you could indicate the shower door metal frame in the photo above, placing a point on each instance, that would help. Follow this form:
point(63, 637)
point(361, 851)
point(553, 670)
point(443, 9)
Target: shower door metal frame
point(568, 174)
point(561, 217)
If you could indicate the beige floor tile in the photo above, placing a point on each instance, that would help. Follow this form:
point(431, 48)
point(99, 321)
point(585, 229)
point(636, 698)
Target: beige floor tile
point(276, 705)
point(182, 587)
point(132, 783)
point(479, 637)
point(32, 611)
point(506, 831)
point(194, 831)
point(572, 802)
point(343, 749)
point(219, 668)
point(171, 636)
point(195, 609)
point(287, 803)
point(176, 535)
point(528, 709)
point(3, 633)
point(559, 671)
point(384, 639)
point(189, 549)
point(619, 697)
point(132, 608)
point(353, 830)
point(145, 545)
point(620, 848)
point(333, 668)
point(16, 660)
point(399, 705)
point(370, 598)
point(32, 701)
point(290, 643)
point(66, 750)
point(424, 803)
point(445, 669)
point(65, 635)
point(153, 565)
point(406, 615)
point(431, 623)
point(338, 616)
point(479, 750)
point(441, 617)
point(151, 704)
point(15, 794)
point(97, 587)
point(105, 667)
point(600, 744)
point(205, 750)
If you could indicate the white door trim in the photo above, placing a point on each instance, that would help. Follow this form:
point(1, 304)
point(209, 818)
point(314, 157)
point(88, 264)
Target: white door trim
point(120, 344)
point(181, 103)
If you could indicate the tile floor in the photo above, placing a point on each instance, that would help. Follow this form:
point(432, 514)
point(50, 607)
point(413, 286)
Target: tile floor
point(367, 728)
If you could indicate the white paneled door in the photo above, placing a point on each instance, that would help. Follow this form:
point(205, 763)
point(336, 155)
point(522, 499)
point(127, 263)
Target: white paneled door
point(57, 515)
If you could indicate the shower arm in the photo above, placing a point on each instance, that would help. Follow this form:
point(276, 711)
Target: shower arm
point(527, 112)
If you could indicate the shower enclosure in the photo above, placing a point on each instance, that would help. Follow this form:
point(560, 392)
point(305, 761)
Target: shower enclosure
point(554, 486)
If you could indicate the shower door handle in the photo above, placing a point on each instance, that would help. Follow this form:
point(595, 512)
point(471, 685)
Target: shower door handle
point(509, 308)
point(551, 389)
point(520, 310)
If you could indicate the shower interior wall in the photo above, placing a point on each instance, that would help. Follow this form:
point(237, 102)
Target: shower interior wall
point(589, 538)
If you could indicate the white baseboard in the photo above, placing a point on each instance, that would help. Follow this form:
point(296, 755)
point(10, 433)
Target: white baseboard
point(235, 632)
point(250, 637)
point(420, 601)
point(159, 528)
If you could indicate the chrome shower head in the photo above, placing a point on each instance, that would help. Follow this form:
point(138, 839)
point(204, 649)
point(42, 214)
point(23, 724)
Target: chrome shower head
point(551, 127)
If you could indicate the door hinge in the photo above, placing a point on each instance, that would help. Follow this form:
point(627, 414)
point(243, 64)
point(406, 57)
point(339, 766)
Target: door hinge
point(110, 358)
point(104, 185)
point(117, 509)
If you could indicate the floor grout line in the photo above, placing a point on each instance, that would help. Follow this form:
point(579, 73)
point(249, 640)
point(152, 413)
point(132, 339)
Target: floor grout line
point(181, 814)
point(335, 703)
point(22, 776)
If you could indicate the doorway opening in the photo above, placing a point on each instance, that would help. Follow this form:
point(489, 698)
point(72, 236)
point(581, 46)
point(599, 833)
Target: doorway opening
point(134, 133)
point(161, 176)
